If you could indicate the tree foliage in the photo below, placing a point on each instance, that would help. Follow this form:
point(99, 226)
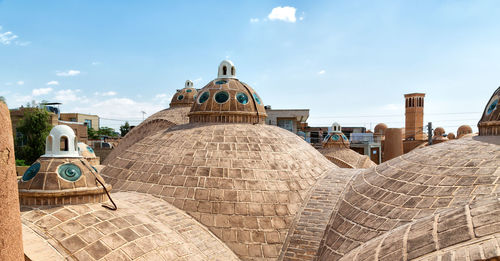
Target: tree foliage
point(2, 99)
point(124, 129)
point(34, 127)
point(103, 131)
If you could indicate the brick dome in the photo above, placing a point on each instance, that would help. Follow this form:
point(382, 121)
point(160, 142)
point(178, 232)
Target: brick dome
point(415, 185)
point(185, 96)
point(380, 129)
point(463, 130)
point(227, 100)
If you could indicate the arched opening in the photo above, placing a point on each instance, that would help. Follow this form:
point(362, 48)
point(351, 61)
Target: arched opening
point(64, 144)
point(232, 70)
point(406, 103)
point(49, 143)
point(422, 102)
point(224, 70)
point(76, 144)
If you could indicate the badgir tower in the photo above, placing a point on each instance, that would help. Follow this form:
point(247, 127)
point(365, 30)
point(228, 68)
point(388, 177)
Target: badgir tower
point(221, 185)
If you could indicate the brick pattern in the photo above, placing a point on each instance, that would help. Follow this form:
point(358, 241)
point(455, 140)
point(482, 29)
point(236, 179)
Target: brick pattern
point(412, 186)
point(48, 188)
point(471, 231)
point(230, 111)
point(347, 158)
point(143, 228)
point(161, 120)
point(244, 182)
point(489, 125)
point(305, 236)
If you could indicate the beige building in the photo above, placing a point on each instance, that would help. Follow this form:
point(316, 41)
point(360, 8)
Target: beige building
point(289, 119)
point(91, 120)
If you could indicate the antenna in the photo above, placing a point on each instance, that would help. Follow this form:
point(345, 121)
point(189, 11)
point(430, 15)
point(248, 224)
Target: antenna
point(143, 113)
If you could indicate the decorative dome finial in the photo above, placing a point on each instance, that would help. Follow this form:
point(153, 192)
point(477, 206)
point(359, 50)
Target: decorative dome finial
point(61, 143)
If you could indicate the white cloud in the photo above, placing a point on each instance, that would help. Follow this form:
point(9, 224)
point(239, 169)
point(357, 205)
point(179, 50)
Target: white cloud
point(7, 38)
point(41, 91)
point(163, 98)
point(20, 82)
point(254, 20)
point(23, 43)
point(96, 63)
point(285, 13)
point(68, 73)
point(197, 80)
point(321, 72)
point(121, 108)
point(53, 83)
point(68, 95)
point(110, 93)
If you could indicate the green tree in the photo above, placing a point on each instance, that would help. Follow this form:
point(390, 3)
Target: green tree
point(2, 99)
point(107, 131)
point(92, 134)
point(34, 127)
point(124, 129)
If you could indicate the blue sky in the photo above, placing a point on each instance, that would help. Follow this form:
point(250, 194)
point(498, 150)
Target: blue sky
point(347, 61)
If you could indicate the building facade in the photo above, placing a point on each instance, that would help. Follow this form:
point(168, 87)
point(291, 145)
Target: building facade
point(91, 120)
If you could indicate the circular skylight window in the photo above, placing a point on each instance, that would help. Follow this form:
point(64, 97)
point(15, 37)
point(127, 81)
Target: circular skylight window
point(189, 90)
point(335, 137)
point(90, 149)
point(256, 97)
point(221, 97)
point(70, 172)
point(242, 98)
point(180, 97)
point(204, 97)
point(221, 82)
point(31, 171)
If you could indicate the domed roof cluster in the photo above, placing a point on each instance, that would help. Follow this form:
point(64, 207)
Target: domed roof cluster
point(463, 130)
point(224, 188)
point(245, 182)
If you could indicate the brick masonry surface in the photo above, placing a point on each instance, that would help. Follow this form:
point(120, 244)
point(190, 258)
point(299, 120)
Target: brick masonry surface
point(143, 228)
point(347, 158)
point(161, 120)
point(244, 182)
point(471, 232)
point(305, 235)
point(413, 186)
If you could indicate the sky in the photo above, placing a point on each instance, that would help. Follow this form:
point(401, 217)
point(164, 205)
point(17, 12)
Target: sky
point(349, 62)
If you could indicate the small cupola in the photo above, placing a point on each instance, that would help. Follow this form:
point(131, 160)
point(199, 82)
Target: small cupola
point(226, 70)
point(188, 84)
point(336, 128)
point(61, 143)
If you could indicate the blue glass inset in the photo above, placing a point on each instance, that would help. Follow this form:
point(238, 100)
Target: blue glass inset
point(257, 99)
point(221, 97)
point(180, 97)
point(221, 82)
point(242, 98)
point(69, 172)
point(335, 137)
point(492, 107)
point(90, 149)
point(344, 137)
point(189, 90)
point(31, 171)
point(204, 97)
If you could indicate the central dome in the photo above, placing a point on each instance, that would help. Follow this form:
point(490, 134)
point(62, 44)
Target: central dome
point(227, 100)
point(245, 182)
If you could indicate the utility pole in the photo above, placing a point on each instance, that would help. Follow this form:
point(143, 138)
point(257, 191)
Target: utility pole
point(429, 132)
point(143, 113)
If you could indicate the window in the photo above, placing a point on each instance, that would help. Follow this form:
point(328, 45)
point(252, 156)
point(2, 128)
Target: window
point(224, 70)
point(180, 97)
point(232, 70)
point(89, 123)
point(64, 144)
point(221, 97)
point(242, 98)
point(72, 119)
point(203, 97)
point(285, 124)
